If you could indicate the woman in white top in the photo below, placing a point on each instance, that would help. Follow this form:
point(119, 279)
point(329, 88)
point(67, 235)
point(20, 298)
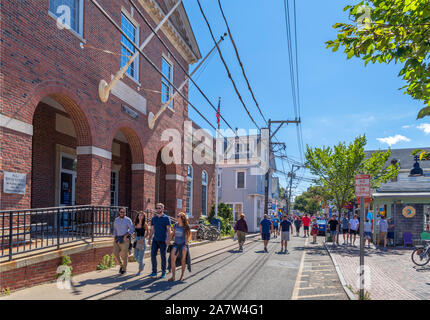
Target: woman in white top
point(353, 229)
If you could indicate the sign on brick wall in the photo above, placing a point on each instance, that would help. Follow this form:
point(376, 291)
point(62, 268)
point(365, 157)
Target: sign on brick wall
point(14, 182)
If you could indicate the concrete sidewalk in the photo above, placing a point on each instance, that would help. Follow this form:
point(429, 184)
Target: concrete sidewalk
point(96, 285)
point(391, 274)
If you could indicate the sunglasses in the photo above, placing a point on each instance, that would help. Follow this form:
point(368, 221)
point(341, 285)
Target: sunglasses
point(159, 208)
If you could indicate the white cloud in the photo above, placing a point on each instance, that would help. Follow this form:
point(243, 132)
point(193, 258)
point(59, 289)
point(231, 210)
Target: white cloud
point(406, 127)
point(393, 140)
point(424, 127)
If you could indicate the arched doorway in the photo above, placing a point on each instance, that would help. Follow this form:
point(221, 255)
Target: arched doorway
point(166, 185)
point(59, 127)
point(127, 173)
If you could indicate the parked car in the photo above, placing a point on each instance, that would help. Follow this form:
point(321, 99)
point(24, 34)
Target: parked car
point(322, 227)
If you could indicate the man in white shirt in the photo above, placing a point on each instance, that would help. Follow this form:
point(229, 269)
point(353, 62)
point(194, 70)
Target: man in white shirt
point(353, 229)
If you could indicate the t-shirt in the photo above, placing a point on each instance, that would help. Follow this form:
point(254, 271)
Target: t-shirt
point(345, 222)
point(275, 222)
point(391, 224)
point(306, 221)
point(383, 225)
point(333, 225)
point(265, 225)
point(354, 224)
point(160, 224)
point(368, 226)
point(179, 234)
point(285, 225)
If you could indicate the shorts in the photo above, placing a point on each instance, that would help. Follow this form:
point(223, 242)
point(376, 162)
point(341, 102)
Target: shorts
point(314, 232)
point(306, 228)
point(354, 232)
point(368, 235)
point(285, 236)
point(345, 231)
point(390, 235)
point(275, 228)
point(265, 236)
point(382, 234)
point(240, 236)
point(333, 233)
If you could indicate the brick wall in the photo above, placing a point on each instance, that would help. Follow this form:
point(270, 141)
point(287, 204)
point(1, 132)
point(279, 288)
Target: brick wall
point(46, 271)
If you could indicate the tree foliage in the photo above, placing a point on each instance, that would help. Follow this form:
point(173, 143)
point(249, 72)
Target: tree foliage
point(391, 30)
point(309, 201)
point(336, 168)
point(422, 154)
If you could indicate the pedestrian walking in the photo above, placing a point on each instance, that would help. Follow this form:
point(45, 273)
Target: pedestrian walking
point(390, 234)
point(160, 231)
point(122, 230)
point(180, 249)
point(286, 226)
point(266, 228)
point(306, 221)
point(367, 232)
point(314, 231)
point(383, 228)
point(241, 230)
point(344, 224)
point(353, 229)
point(297, 224)
point(275, 222)
point(332, 224)
point(141, 229)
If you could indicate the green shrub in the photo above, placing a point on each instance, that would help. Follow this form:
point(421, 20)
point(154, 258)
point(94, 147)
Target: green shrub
point(107, 262)
point(5, 292)
point(66, 261)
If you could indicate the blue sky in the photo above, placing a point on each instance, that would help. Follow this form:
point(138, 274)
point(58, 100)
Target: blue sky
point(340, 98)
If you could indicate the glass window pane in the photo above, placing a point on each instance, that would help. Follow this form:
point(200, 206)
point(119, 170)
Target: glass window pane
point(240, 179)
point(127, 47)
point(74, 9)
point(68, 163)
point(204, 202)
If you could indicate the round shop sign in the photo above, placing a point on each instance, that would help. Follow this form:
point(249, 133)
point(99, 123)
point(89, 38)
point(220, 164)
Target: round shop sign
point(408, 212)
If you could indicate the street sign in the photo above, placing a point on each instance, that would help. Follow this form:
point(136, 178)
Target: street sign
point(362, 185)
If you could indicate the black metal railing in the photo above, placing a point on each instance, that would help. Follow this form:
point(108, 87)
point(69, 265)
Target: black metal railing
point(23, 231)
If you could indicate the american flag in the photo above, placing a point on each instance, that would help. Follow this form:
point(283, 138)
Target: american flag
point(218, 113)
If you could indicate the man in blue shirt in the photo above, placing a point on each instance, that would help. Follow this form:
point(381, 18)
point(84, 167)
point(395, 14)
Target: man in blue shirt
point(122, 229)
point(160, 229)
point(275, 221)
point(286, 226)
point(265, 230)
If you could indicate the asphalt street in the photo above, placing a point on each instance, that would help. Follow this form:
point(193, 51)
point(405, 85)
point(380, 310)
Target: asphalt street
point(250, 275)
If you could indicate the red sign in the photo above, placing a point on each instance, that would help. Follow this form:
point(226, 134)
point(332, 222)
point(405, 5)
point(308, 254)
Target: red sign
point(362, 185)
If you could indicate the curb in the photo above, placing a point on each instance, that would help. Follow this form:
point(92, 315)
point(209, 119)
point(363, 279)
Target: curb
point(348, 292)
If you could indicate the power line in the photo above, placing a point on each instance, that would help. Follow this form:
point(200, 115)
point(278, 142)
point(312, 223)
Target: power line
point(149, 61)
point(239, 60)
point(225, 65)
point(177, 61)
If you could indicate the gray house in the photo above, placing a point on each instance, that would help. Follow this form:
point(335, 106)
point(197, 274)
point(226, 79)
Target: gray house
point(238, 184)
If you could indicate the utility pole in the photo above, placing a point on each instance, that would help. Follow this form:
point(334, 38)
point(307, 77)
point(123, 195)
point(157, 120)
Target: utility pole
point(292, 176)
point(268, 173)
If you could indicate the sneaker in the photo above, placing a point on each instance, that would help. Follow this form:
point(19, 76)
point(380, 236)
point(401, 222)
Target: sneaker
point(120, 270)
point(286, 251)
point(154, 274)
point(265, 249)
point(163, 275)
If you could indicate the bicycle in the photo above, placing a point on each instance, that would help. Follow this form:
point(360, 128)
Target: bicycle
point(210, 233)
point(421, 256)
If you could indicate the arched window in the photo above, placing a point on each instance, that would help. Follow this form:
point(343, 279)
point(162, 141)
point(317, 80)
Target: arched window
point(204, 193)
point(189, 203)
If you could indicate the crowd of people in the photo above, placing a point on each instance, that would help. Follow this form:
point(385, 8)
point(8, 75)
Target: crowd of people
point(158, 235)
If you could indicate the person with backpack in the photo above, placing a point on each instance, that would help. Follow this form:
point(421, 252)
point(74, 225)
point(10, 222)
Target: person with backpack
point(241, 230)
point(314, 231)
point(297, 224)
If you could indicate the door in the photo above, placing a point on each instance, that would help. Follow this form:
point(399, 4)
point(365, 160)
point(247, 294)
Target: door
point(67, 188)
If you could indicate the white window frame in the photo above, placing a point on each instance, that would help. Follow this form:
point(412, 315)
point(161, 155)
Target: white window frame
point(190, 179)
point(244, 179)
point(169, 62)
point(233, 204)
point(136, 61)
point(205, 183)
point(79, 34)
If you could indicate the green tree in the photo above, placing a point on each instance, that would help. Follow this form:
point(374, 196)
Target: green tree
point(423, 155)
point(391, 30)
point(336, 168)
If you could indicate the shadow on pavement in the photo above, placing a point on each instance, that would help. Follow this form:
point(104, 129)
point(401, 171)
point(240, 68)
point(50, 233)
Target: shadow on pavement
point(106, 280)
point(422, 269)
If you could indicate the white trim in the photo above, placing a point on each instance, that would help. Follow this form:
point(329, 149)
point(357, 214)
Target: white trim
point(82, 150)
point(244, 179)
point(169, 62)
point(143, 167)
point(16, 125)
point(233, 204)
point(174, 177)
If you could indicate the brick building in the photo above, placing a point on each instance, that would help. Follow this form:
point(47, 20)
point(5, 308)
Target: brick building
point(74, 149)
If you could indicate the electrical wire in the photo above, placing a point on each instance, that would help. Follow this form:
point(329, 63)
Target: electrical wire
point(177, 61)
point(239, 60)
point(226, 67)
